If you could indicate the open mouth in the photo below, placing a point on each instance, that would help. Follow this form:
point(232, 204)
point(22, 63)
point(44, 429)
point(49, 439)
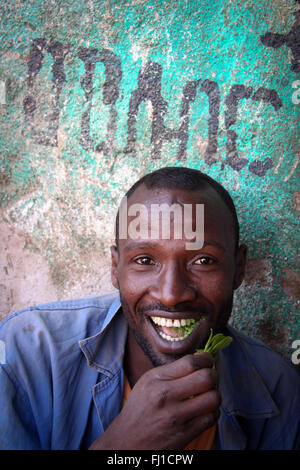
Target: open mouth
point(175, 330)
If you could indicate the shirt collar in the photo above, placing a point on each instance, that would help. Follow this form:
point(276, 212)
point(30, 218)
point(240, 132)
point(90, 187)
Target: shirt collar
point(104, 351)
point(242, 388)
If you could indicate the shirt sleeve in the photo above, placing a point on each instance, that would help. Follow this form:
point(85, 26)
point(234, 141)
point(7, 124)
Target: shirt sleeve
point(18, 430)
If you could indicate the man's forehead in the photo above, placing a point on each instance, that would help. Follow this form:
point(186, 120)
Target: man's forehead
point(148, 196)
point(163, 211)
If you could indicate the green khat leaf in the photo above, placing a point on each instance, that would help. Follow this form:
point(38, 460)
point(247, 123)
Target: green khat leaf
point(215, 343)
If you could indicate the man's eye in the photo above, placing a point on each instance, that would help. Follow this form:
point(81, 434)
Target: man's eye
point(204, 260)
point(144, 260)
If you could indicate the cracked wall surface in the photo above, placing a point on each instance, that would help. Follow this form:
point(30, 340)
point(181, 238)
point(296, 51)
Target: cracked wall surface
point(95, 94)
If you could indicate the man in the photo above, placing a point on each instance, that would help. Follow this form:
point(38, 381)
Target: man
point(121, 372)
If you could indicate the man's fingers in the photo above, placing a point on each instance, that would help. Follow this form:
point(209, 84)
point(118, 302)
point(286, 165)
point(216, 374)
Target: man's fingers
point(199, 381)
point(199, 405)
point(199, 424)
point(184, 366)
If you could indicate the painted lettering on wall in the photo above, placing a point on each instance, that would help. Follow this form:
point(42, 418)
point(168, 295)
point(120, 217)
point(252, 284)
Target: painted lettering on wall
point(148, 89)
point(290, 40)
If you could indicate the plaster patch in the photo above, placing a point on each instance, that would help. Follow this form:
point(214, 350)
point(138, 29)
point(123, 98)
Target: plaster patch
point(139, 52)
point(258, 271)
point(290, 283)
point(89, 277)
point(293, 168)
point(274, 336)
point(25, 275)
point(296, 201)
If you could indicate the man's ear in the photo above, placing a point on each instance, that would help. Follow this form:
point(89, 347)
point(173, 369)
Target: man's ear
point(114, 266)
point(240, 266)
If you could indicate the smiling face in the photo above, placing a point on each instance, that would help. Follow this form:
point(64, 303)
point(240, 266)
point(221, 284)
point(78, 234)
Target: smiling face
point(172, 295)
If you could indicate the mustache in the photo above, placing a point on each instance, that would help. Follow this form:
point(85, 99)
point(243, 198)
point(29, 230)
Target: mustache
point(157, 306)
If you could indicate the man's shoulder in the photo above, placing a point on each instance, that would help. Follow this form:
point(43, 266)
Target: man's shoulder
point(101, 301)
point(59, 319)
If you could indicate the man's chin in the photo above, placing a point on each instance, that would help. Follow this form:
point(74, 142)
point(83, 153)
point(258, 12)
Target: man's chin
point(156, 358)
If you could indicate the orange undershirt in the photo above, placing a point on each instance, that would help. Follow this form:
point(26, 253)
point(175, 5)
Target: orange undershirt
point(206, 440)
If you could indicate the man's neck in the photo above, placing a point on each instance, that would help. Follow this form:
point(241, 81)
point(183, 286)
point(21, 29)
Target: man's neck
point(136, 363)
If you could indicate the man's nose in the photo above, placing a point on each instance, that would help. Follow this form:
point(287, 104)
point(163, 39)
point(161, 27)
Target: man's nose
point(173, 286)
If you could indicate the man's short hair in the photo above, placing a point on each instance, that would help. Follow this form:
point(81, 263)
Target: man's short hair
point(187, 179)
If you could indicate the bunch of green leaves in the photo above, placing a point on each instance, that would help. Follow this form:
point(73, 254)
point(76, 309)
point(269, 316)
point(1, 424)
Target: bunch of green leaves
point(215, 343)
point(189, 328)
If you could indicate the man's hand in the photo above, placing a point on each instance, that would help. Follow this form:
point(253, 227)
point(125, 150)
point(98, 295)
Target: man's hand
point(168, 407)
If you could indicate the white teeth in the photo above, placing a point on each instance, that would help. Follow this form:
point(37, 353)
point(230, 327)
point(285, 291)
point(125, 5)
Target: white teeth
point(172, 323)
point(170, 338)
point(176, 323)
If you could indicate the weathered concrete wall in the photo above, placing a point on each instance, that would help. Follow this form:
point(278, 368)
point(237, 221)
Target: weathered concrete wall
point(95, 94)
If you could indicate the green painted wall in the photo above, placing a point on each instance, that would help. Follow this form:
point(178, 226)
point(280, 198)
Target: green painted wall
point(95, 94)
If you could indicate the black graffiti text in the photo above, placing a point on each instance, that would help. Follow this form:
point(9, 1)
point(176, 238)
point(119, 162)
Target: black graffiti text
point(148, 89)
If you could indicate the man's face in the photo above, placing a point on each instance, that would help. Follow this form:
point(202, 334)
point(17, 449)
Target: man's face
point(168, 290)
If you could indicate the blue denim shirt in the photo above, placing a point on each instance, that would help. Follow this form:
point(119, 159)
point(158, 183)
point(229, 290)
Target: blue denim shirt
point(62, 381)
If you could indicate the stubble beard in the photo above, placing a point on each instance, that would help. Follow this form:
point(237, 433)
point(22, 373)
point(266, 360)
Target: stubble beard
point(140, 338)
